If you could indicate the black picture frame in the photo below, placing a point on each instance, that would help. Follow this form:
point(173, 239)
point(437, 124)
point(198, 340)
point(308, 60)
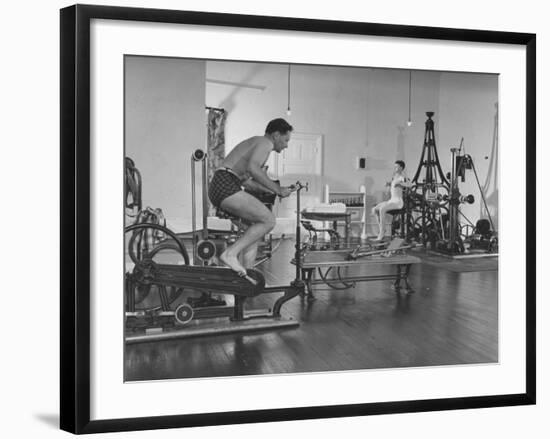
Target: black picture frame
point(75, 217)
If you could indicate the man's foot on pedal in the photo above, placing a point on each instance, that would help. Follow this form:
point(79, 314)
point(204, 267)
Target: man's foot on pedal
point(233, 263)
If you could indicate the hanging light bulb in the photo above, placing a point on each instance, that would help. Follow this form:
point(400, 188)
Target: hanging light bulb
point(288, 111)
point(409, 120)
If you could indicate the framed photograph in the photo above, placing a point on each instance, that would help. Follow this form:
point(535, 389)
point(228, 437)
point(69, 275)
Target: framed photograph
point(277, 218)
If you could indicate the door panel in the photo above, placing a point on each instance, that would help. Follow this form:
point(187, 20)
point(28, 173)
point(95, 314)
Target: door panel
point(302, 161)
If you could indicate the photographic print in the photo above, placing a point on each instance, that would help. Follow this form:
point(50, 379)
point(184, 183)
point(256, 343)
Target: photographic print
point(395, 175)
point(276, 218)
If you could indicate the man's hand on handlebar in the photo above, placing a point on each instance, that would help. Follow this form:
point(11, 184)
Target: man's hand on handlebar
point(286, 191)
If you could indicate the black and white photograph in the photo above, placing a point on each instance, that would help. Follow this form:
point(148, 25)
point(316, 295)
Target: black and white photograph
point(275, 219)
point(278, 218)
point(289, 218)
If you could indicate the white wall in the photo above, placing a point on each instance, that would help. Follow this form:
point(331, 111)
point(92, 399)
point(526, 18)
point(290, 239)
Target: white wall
point(359, 113)
point(363, 113)
point(390, 138)
point(470, 106)
point(165, 122)
point(251, 106)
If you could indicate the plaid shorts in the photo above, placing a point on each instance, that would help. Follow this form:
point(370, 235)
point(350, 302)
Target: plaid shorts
point(223, 184)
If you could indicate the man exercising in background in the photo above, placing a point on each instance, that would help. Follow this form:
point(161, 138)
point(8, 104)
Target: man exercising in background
point(398, 182)
point(244, 167)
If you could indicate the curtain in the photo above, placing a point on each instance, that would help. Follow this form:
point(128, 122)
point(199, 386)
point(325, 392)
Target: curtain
point(490, 186)
point(215, 144)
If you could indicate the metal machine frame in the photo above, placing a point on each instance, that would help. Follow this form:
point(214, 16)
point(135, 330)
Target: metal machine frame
point(170, 279)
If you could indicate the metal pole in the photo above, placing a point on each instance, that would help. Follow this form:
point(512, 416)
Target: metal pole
point(193, 209)
point(452, 205)
point(483, 197)
point(423, 203)
point(204, 199)
point(298, 244)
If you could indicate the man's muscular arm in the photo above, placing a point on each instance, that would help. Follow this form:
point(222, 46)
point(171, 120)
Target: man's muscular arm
point(254, 186)
point(254, 168)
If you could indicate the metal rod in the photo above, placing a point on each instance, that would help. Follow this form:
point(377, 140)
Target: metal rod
point(423, 207)
point(204, 198)
point(193, 210)
point(229, 328)
point(452, 206)
point(377, 252)
point(215, 109)
point(236, 84)
point(466, 218)
point(297, 256)
point(483, 197)
point(353, 279)
point(288, 100)
point(410, 81)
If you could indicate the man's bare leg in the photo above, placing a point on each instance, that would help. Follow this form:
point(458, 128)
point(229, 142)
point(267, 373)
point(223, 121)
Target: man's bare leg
point(252, 210)
point(249, 256)
point(230, 256)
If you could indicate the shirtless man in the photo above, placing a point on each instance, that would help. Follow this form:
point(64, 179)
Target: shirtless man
point(398, 182)
point(244, 166)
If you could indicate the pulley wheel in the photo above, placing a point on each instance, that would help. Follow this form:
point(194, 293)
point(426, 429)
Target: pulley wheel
point(142, 279)
point(206, 250)
point(198, 155)
point(183, 314)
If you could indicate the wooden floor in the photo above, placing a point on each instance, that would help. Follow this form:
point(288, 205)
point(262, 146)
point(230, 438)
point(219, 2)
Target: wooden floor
point(451, 319)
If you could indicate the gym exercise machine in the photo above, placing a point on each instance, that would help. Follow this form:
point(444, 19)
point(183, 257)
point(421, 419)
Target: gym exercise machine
point(315, 243)
point(169, 280)
point(429, 185)
point(171, 319)
point(207, 242)
point(432, 213)
point(132, 188)
point(329, 264)
point(484, 235)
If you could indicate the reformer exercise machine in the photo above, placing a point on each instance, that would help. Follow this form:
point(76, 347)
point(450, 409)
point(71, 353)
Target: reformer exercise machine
point(328, 265)
point(314, 243)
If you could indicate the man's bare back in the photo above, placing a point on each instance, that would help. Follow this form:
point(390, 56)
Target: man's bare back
point(247, 161)
point(239, 158)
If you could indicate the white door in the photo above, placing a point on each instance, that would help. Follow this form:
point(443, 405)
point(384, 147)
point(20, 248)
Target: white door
point(301, 161)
